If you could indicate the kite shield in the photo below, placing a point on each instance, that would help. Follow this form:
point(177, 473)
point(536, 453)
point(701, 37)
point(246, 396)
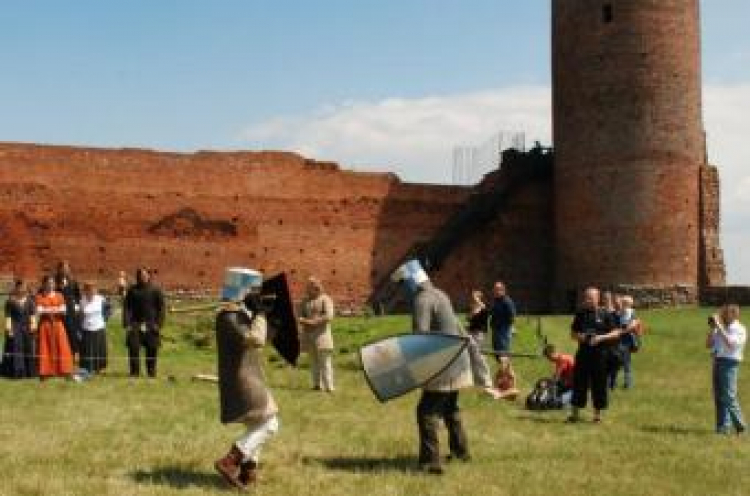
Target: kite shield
point(396, 365)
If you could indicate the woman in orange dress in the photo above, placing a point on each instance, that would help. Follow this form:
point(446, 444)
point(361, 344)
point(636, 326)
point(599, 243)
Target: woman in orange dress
point(55, 358)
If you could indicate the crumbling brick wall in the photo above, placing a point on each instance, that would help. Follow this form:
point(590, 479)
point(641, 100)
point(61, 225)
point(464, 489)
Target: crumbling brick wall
point(712, 271)
point(189, 216)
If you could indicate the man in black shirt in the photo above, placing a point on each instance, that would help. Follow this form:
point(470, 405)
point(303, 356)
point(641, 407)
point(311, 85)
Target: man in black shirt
point(71, 292)
point(595, 331)
point(143, 317)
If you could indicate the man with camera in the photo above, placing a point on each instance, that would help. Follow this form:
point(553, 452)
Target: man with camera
point(596, 332)
point(726, 340)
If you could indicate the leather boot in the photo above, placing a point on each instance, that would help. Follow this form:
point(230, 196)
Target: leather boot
point(229, 467)
point(248, 472)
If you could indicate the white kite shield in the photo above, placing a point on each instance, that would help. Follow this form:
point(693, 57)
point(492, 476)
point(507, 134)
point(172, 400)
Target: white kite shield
point(398, 364)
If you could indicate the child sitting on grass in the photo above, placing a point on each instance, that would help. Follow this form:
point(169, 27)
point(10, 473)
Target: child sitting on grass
point(505, 381)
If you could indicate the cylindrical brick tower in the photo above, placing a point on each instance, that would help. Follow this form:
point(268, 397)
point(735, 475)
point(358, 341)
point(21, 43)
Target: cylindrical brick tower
point(629, 142)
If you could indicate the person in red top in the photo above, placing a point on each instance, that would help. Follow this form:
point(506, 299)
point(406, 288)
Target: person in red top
point(564, 367)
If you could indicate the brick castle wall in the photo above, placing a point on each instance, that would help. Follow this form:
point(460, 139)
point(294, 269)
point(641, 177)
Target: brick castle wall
point(189, 216)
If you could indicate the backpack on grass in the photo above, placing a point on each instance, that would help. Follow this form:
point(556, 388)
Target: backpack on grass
point(544, 396)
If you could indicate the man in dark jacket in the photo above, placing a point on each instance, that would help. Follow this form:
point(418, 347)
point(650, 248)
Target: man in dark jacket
point(143, 317)
point(71, 292)
point(595, 331)
point(502, 316)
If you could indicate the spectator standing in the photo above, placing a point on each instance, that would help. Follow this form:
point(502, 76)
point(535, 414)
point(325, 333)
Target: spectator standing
point(477, 329)
point(629, 340)
point(95, 310)
point(316, 314)
point(19, 357)
point(55, 357)
point(595, 331)
point(71, 292)
point(726, 340)
point(614, 354)
point(143, 318)
point(502, 316)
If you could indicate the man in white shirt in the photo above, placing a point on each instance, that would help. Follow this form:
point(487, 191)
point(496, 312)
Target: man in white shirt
point(726, 340)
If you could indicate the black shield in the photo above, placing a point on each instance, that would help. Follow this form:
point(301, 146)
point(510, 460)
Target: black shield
point(281, 317)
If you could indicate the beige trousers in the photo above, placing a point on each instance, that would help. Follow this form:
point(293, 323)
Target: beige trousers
point(321, 369)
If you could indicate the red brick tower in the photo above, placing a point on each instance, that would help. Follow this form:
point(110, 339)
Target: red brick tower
point(629, 144)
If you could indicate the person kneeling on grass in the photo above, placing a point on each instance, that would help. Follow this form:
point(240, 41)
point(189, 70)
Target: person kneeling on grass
point(563, 374)
point(241, 333)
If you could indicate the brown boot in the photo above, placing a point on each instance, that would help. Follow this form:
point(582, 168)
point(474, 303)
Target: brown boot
point(229, 467)
point(248, 472)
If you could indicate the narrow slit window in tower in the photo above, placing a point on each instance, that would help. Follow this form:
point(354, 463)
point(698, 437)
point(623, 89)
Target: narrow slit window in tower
point(607, 13)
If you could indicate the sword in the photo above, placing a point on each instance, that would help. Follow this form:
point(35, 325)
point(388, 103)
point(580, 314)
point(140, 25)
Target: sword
point(485, 351)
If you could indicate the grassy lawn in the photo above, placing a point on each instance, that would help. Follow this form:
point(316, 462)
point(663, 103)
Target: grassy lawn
point(118, 436)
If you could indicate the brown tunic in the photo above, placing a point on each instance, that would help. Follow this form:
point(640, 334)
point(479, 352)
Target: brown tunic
point(243, 394)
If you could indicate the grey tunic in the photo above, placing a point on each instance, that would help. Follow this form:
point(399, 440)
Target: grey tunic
point(433, 313)
point(243, 394)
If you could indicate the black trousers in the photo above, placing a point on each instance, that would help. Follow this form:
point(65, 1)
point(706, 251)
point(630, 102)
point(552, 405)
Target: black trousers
point(433, 407)
point(591, 372)
point(148, 339)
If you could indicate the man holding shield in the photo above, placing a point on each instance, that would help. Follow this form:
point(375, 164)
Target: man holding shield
point(432, 313)
point(241, 333)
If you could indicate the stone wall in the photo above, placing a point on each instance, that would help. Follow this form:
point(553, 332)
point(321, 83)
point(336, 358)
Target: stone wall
point(189, 216)
point(719, 295)
point(712, 271)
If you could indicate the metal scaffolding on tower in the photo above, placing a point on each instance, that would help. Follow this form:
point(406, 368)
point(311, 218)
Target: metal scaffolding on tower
point(472, 162)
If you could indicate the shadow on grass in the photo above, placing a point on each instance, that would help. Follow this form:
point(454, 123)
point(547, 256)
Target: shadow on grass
point(403, 464)
point(179, 478)
point(675, 430)
point(542, 419)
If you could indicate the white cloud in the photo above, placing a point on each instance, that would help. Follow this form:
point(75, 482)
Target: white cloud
point(412, 137)
point(415, 138)
point(727, 123)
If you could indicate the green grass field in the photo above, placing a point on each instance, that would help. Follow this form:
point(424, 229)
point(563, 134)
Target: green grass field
point(118, 436)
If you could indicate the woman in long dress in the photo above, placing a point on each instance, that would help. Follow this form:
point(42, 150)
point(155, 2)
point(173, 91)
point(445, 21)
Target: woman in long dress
point(19, 357)
point(95, 310)
point(55, 358)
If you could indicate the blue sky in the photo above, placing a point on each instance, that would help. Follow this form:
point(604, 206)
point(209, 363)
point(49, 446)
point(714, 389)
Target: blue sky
point(383, 85)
